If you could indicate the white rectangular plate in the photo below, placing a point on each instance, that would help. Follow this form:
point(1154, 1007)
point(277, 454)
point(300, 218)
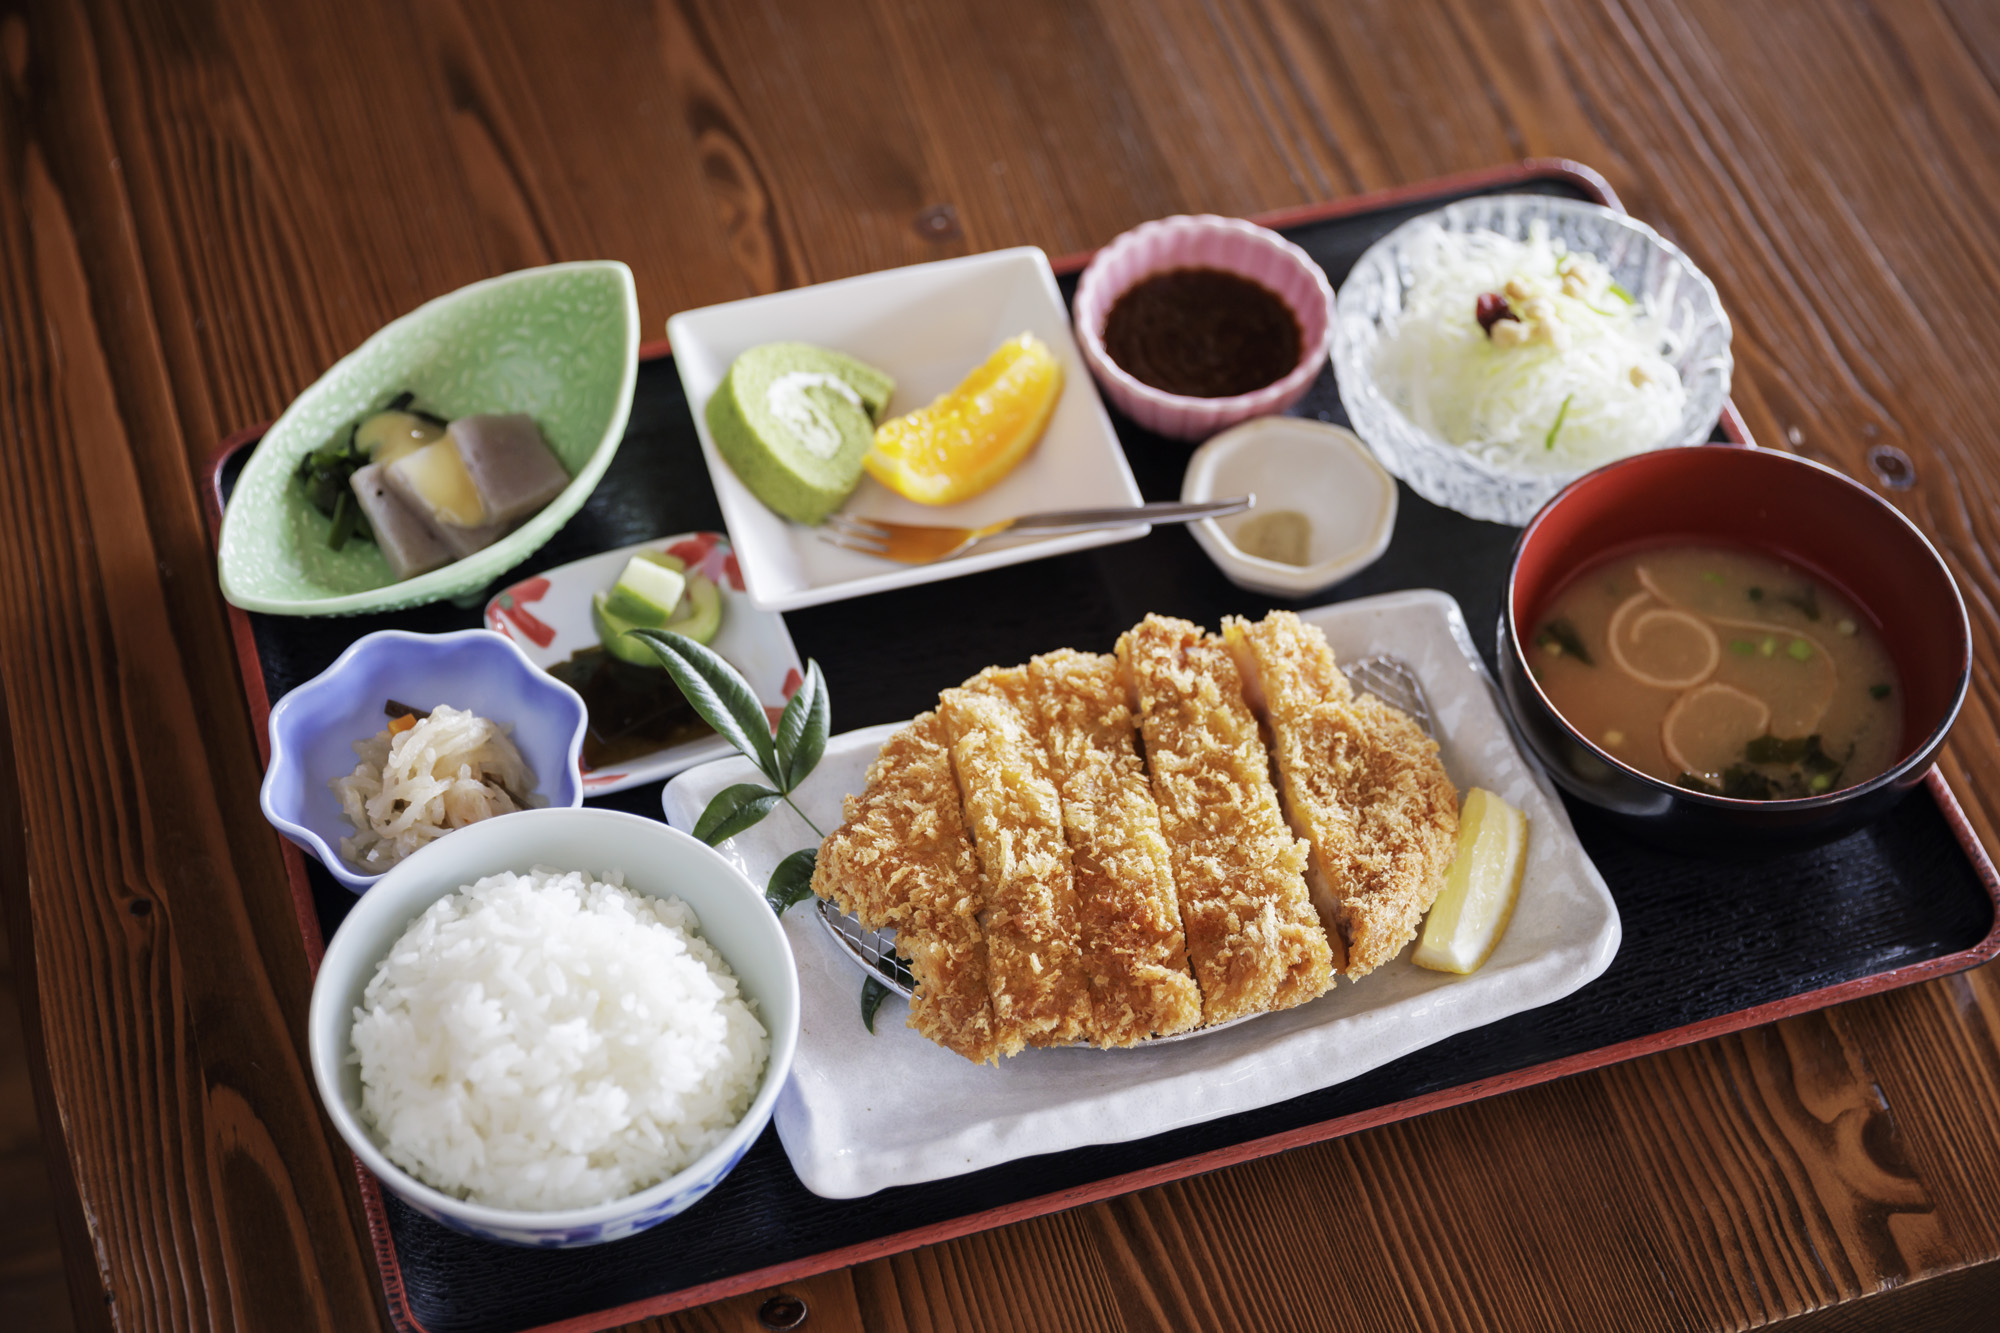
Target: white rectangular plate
point(928, 325)
point(865, 1112)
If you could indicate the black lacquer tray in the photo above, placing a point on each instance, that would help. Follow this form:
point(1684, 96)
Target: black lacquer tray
point(1709, 947)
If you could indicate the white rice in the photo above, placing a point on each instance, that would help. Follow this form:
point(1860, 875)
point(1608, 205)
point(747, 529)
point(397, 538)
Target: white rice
point(451, 769)
point(548, 1041)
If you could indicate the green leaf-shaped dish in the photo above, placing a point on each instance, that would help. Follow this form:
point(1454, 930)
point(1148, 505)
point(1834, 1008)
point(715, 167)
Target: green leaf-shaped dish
point(560, 343)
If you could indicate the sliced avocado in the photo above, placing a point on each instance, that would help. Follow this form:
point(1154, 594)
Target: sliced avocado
point(699, 615)
point(611, 629)
point(646, 593)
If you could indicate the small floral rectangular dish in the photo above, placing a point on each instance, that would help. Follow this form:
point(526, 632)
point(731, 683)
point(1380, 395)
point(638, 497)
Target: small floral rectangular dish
point(549, 618)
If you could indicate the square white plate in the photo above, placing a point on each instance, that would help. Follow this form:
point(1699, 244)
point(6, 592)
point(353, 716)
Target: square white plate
point(865, 1112)
point(928, 325)
point(548, 618)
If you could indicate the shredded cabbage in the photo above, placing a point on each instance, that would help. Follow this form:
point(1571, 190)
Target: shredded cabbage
point(1584, 377)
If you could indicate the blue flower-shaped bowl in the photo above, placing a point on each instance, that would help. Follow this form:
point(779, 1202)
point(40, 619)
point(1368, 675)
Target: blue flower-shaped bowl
point(313, 729)
point(655, 859)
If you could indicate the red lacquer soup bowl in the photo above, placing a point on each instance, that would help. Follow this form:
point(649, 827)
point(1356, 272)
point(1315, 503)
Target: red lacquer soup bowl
point(1808, 515)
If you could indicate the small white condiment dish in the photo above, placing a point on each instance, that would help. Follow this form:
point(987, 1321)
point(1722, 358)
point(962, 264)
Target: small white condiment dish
point(655, 859)
point(1322, 472)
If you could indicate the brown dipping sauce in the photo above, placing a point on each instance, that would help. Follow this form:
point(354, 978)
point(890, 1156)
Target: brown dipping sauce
point(634, 710)
point(1203, 333)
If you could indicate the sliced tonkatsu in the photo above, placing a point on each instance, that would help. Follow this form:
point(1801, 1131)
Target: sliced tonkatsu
point(903, 860)
point(1129, 912)
point(1253, 936)
point(1361, 782)
point(1034, 962)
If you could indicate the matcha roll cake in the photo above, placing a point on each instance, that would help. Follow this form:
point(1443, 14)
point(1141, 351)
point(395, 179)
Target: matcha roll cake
point(793, 421)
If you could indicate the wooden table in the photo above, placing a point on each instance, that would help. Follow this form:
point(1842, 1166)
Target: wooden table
point(205, 204)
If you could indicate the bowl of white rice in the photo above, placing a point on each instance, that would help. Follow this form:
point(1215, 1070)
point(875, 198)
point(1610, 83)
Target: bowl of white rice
point(490, 733)
point(555, 1029)
point(1495, 350)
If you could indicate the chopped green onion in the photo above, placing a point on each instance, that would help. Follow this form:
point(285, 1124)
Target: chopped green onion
point(1549, 441)
point(1799, 650)
point(1743, 647)
point(1768, 646)
point(1716, 577)
point(1820, 782)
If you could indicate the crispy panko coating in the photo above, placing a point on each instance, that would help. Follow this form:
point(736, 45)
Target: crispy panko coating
point(1360, 780)
point(903, 860)
point(1034, 959)
point(1127, 908)
point(1253, 938)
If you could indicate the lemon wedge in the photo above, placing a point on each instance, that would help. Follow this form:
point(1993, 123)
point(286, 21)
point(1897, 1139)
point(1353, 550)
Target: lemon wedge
point(1480, 889)
point(976, 434)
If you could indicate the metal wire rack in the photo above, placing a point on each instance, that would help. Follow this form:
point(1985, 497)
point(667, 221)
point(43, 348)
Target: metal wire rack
point(874, 951)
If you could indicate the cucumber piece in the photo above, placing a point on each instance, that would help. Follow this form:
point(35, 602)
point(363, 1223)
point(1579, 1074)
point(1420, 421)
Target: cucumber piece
point(611, 629)
point(646, 593)
point(673, 562)
point(699, 615)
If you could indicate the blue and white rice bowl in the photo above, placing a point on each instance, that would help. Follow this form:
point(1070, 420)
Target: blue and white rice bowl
point(655, 860)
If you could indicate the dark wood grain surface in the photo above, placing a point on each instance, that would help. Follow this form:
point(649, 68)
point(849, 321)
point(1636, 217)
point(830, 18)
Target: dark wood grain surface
point(205, 203)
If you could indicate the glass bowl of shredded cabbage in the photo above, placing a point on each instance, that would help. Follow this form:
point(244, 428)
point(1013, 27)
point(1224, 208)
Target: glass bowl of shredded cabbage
point(1493, 351)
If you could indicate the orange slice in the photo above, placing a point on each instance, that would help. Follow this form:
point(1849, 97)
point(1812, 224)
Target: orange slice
point(976, 434)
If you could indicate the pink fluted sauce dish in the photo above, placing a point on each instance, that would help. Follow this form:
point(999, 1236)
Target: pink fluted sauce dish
point(1208, 256)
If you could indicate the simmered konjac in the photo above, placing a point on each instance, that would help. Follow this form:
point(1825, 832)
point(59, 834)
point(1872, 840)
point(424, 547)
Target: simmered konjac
point(1723, 671)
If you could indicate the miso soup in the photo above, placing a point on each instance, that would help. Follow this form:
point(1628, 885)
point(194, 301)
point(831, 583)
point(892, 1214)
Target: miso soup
point(1722, 671)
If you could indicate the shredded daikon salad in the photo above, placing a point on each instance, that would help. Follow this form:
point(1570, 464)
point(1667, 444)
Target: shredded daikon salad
point(1528, 355)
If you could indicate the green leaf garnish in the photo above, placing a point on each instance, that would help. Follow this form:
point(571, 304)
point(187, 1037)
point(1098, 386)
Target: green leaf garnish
point(733, 810)
point(873, 992)
point(802, 731)
point(718, 692)
point(1549, 441)
point(791, 882)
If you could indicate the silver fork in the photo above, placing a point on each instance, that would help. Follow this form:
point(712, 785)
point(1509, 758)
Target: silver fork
point(920, 544)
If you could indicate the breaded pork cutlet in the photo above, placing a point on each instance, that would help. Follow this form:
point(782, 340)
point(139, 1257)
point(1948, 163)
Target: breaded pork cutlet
point(1034, 963)
point(903, 860)
point(1360, 781)
point(1253, 938)
point(1129, 914)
